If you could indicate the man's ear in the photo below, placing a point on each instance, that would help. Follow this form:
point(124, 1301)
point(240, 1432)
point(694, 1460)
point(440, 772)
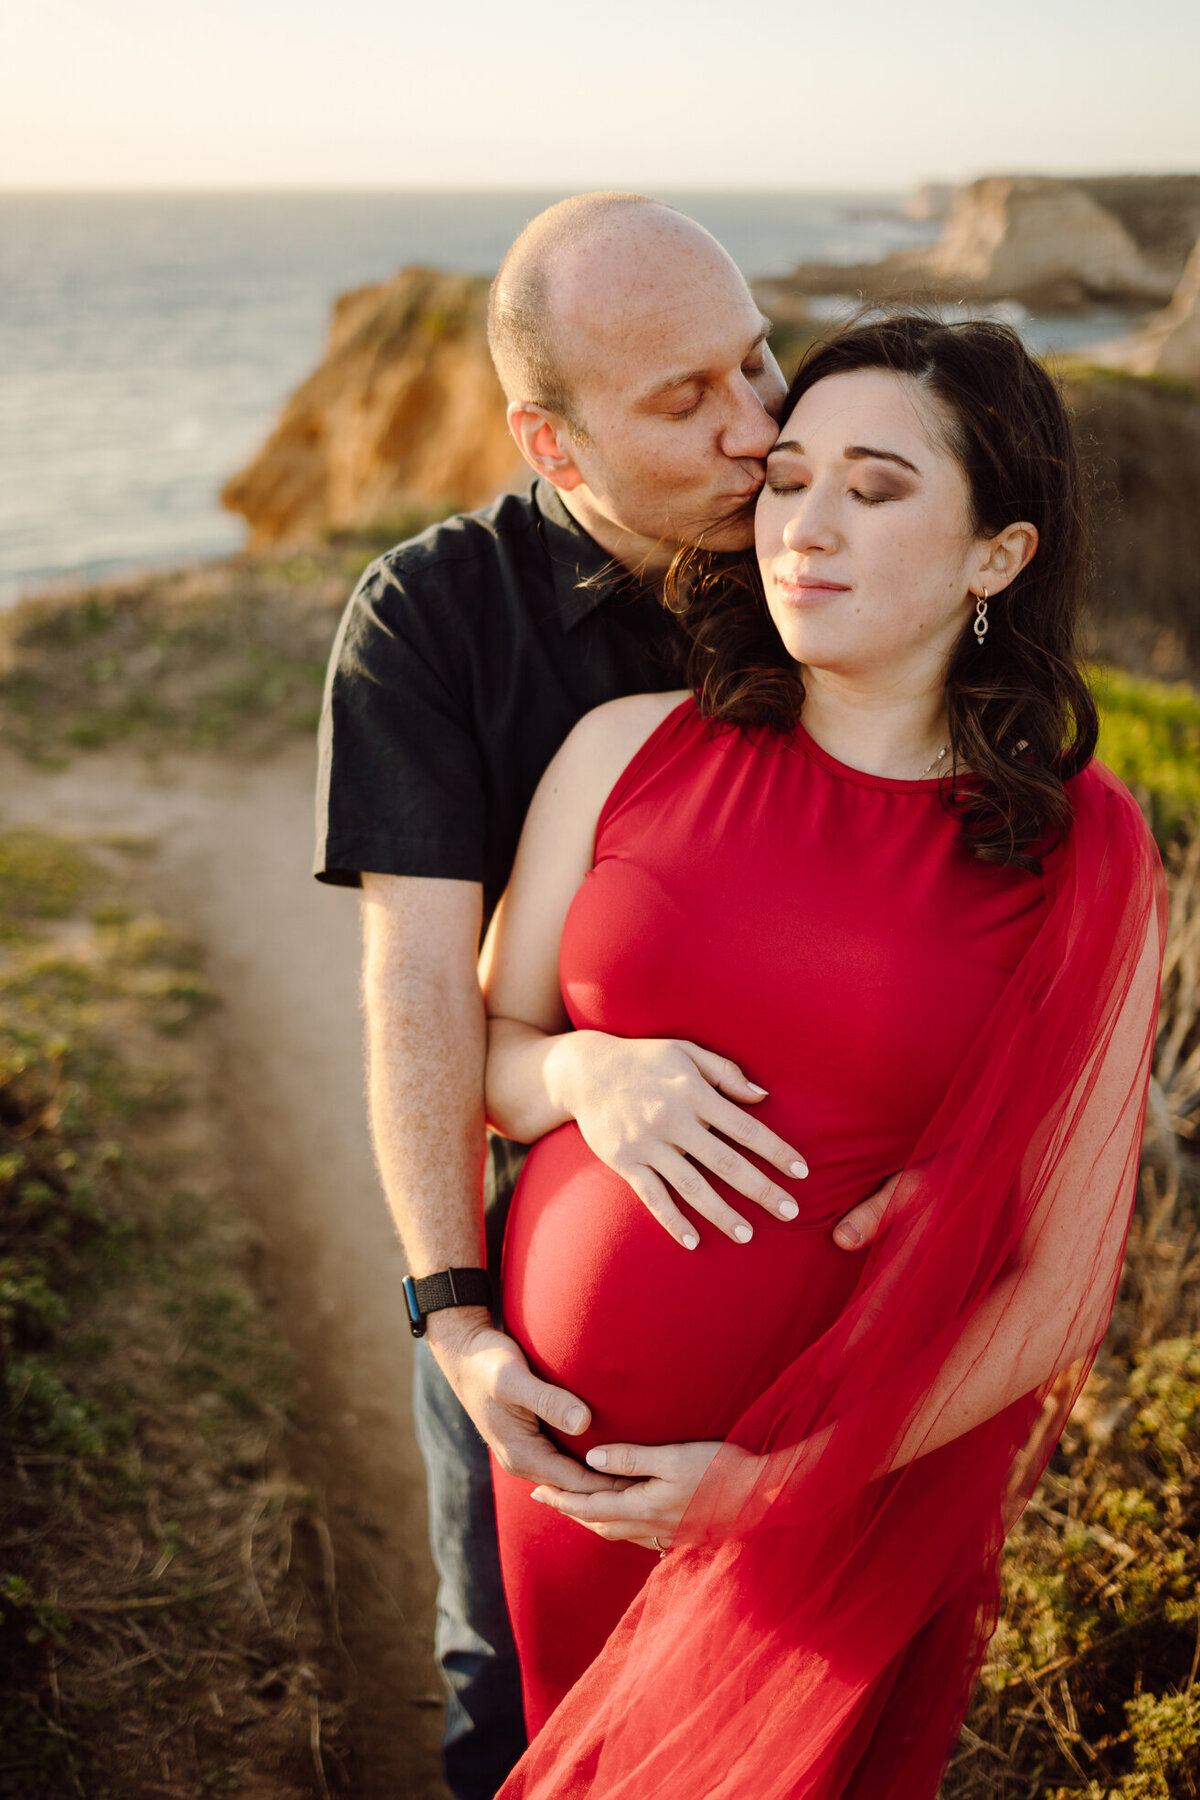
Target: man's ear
point(544, 441)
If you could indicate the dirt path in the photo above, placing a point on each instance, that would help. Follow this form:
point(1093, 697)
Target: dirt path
point(230, 860)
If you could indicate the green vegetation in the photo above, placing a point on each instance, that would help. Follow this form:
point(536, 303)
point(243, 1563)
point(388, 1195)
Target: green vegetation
point(156, 1630)
point(1090, 1691)
point(228, 657)
point(373, 540)
point(1150, 737)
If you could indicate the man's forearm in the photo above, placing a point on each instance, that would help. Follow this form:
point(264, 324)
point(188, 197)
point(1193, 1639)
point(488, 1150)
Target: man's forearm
point(425, 1051)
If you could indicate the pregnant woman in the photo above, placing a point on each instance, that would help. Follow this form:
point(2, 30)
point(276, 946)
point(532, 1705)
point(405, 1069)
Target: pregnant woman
point(868, 859)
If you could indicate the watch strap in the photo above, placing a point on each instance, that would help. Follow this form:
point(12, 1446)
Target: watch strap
point(427, 1294)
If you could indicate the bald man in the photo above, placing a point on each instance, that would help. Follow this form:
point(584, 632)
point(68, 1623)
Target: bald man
point(644, 397)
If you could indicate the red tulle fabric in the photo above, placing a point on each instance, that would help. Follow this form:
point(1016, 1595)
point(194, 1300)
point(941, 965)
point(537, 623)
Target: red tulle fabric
point(845, 1543)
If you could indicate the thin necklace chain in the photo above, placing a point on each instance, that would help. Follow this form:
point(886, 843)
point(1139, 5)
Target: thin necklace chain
point(942, 753)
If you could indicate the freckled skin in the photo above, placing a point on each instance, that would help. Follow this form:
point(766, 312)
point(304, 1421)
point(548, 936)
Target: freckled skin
point(657, 301)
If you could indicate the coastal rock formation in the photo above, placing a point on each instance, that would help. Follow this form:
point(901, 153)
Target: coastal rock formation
point(404, 413)
point(1048, 243)
point(1062, 242)
point(1170, 344)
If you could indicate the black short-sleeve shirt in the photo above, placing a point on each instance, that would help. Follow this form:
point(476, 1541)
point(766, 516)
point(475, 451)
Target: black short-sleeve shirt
point(463, 660)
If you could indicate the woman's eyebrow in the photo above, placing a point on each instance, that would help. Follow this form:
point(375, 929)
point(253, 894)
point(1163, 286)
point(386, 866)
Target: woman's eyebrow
point(852, 453)
point(859, 452)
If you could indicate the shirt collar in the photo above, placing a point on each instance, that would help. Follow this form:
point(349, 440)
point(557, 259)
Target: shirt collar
point(585, 575)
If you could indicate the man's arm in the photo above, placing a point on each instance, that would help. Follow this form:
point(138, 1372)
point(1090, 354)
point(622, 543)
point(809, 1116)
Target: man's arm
point(425, 1049)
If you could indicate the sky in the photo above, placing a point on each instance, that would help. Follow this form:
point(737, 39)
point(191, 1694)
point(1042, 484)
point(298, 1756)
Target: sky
point(847, 94)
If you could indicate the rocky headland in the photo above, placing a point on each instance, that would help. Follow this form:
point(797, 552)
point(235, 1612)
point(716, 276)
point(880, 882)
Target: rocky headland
point(1170, 343)
point(403, 416)
point(1050, 244)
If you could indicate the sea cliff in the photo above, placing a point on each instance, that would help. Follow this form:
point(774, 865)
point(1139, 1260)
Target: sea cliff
point(404, 413)
point(1046, 242)
point(1170, 343)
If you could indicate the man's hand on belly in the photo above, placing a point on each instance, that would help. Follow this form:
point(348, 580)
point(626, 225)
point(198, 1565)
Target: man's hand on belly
point(861, 1223)
point(508, 1403)
point(658, 1481)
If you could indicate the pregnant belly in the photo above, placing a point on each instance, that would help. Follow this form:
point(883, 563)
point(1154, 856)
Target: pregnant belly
point(664, 1344)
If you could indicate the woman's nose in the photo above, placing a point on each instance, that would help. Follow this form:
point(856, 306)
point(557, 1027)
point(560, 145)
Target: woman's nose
point(810, 527)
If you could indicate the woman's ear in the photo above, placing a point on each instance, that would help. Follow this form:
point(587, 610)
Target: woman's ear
point(1007, 554)
point(544, 441)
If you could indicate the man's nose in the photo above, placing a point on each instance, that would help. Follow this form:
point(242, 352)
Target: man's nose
point(748, 430)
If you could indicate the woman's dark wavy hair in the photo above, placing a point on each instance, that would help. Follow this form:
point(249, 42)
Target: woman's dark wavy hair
point(1022, 717)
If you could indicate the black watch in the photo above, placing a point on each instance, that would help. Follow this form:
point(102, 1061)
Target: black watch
point(449, 1287)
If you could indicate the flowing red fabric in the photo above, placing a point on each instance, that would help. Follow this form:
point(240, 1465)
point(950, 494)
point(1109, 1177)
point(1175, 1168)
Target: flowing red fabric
point(846, 1540)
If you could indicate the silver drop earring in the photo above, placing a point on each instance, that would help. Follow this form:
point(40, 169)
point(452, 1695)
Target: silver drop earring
point(981, 619)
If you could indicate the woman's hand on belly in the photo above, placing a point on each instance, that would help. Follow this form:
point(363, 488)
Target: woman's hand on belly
point(656, 1487)
point(650, 1108)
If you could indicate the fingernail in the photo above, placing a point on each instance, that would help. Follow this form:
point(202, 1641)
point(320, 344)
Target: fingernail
point(848, 1236)
point(742, 1233)
point(754, 1088)
point(597, 1458)
point(689, 1240)
point(788, 1209)
point(538, 1495)
point(800, 1169)
point(575, 1418)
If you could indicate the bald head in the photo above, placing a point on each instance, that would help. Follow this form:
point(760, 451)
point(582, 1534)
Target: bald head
point(639, 379)
point(578, 275)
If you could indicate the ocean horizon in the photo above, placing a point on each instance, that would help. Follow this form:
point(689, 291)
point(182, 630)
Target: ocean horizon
point(149, 339)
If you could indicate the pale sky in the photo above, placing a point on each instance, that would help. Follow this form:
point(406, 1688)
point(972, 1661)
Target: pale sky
point(695, 93)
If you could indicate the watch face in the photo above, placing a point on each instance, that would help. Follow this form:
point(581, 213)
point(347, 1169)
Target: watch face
point(410, 1300)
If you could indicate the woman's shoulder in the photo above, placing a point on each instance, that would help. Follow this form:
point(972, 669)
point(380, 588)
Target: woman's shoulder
point(1101, 802)
point(599, 750)
point(611, 734)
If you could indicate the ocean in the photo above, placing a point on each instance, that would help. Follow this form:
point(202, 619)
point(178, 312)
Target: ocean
point(148, 340)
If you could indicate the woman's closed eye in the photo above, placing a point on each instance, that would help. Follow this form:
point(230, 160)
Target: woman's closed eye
point(777, 484)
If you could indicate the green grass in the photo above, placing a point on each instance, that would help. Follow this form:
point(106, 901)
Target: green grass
point(226, 658)
point(1150, 737)
point(141, 1388)
point(1089, 1688)
point(41, 877)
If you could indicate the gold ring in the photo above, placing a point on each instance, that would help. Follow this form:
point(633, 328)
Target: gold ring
point(658, 1547)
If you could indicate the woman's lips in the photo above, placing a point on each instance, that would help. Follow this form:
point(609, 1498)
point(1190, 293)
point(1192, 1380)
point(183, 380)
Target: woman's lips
point(807, 589)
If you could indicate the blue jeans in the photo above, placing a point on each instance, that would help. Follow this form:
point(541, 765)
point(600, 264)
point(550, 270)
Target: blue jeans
point(485, 1723)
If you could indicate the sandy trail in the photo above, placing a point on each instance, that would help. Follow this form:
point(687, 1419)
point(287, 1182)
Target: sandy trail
point(232, 848)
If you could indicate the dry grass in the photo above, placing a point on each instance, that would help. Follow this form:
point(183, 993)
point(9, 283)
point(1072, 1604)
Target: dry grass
point(168, 1596)
point(1091, 1688)
point(224, 657)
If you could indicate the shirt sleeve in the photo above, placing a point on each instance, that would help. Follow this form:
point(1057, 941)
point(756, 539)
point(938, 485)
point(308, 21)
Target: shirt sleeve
point(400, 787)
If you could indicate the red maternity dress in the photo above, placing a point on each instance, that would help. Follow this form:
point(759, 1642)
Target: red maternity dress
point(827, 930)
